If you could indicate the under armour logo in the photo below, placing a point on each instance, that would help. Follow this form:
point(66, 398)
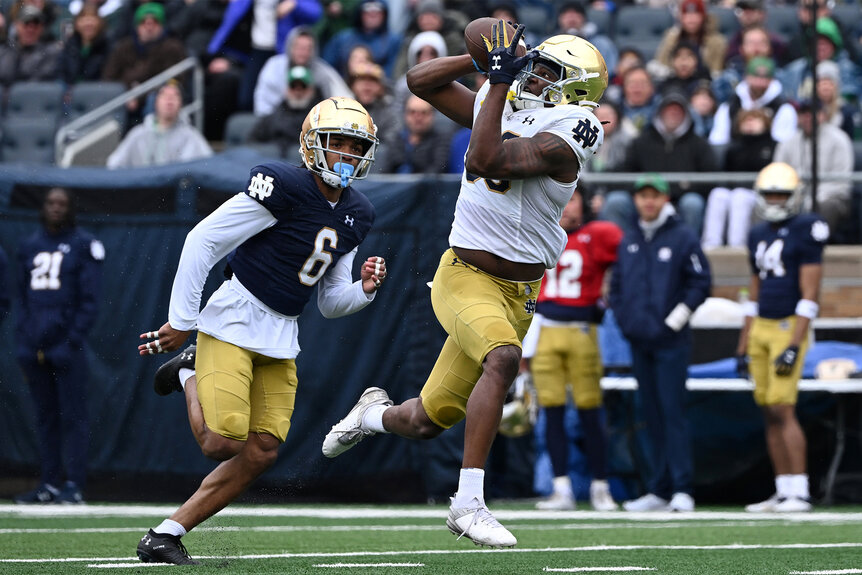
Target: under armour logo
point(260, 186)
point(146, 540)
point(185, 356)
point(528, 120)
point(496, 65)
point(348, 220)
point(530, 306)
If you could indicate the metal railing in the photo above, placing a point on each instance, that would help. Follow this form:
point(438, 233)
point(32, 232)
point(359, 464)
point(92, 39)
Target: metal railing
point(89, 121)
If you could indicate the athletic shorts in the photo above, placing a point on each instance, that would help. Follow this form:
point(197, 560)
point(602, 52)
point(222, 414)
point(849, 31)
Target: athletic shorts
point(767, 340)
point(567, 357)
point(480, 313)
point(241, 391)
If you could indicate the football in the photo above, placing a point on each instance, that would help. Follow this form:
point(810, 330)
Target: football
point(473, 38)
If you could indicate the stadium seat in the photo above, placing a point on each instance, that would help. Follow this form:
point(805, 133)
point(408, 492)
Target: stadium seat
point(727, 21)
point(87, 96)
point(27, 140)
point(35, 100)
point(782, 19)
point(641, 28)
point(539, 19)
point(238, 128)
point(603, 19)
point(847, 14)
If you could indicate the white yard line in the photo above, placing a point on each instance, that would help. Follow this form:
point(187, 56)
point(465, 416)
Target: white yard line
point(595, 569)
point(732, 547)
point(337, 565)
point(833, 572)
point(417, 512)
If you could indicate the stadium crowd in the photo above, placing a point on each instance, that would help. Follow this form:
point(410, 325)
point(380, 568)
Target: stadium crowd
point(719, 87)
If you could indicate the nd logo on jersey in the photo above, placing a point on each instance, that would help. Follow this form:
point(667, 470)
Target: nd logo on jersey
point(260, 186)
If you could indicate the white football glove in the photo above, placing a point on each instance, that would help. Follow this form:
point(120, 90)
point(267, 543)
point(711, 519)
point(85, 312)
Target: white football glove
point(678, 317)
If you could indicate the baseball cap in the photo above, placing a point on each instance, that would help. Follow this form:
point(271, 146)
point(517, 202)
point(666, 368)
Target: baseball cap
point(827, 28)
point(373, 5)
point(150, 9)
point(365, 70)
point(761, 67)
point(654, 181)
point(299, 74)
point(30, 13)
point(688, 6)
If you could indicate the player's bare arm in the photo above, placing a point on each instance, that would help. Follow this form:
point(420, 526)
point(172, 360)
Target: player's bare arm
point(810, 276)
point(435, 81)
point(544, 154)
point(753, 293)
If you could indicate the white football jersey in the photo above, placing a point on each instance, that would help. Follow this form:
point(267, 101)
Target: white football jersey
point(519, 219)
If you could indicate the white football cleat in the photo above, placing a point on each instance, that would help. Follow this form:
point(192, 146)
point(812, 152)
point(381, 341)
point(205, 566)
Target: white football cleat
point(648, 502)
point(767, 506)
point(557, 502)
point(600, 496)
point(792, 505)
point(477, 524)
point(348, 432)
point(681, 502)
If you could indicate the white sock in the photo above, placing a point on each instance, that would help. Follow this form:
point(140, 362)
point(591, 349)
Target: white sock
point(783, 486)
point(185, 374)
point(372, 420)
point(471, 484)
point(799, 486)
point(170, 527)
point(563, 486)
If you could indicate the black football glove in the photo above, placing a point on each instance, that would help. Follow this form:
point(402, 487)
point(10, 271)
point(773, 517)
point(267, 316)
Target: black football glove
point(742, 366)
point(503, 63)
point(785, 362)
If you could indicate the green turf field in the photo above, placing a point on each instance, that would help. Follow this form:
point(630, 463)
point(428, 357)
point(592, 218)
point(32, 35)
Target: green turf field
point(246, 539)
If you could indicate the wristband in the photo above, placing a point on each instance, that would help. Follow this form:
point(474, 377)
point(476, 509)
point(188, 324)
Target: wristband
point(475, 65)
point(750, 309)
point(807, 308)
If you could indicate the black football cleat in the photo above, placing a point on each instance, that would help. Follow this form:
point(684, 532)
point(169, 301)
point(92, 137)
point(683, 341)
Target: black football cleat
point(163, 548)
point(167, 378)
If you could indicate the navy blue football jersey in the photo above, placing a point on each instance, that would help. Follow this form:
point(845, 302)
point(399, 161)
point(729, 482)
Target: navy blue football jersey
point(281, 265)
point(59, 285)
point(776, 252)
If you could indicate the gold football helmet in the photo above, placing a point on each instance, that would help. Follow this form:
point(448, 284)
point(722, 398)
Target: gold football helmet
point(778, 178)
point(345, 117)
point(583, 74)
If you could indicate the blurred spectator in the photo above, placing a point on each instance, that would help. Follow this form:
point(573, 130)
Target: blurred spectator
point(834, 157)
point(338, 15)
point(418, 148)
point(86, 51)
point(284, 124)
point(423, 47)
point(729, 210)
point(508, 12)
point(754, 43)
point(26, 58)
point(612, 153)
point(222, 70)
point(369, 87)
point(301, 50)
point(59, 280)
point(668, 145)
point(50, 15)
point(371, 30)
point(165, 137)
point(838, 111)
point(798, 46)
point(430, 16)
point(122, 23)
point(686, 69)
point(751, 14)
point(703, 107)
point(572, 19)
point(830, 46)
point(661, 252)
point(696, 26)
point(138, 58)
point(358, 57)
point(628, 58)
point(759, 90)
point(271, 22)
point(639, 99)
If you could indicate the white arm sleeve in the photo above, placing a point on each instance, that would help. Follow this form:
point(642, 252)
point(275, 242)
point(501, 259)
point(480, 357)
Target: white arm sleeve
point(213, 238)
point(337, 294)
point(531, 340)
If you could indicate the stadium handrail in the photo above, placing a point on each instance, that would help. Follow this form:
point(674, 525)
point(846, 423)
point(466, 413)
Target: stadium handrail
point(73, 129)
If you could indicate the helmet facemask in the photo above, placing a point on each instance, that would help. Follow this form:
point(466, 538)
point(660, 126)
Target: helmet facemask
point(778, 178)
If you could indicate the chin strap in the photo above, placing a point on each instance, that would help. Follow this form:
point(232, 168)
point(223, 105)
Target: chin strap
point(345, 170)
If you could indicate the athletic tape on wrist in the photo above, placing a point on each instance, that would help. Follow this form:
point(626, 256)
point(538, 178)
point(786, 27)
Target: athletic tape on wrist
point(807, 308)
